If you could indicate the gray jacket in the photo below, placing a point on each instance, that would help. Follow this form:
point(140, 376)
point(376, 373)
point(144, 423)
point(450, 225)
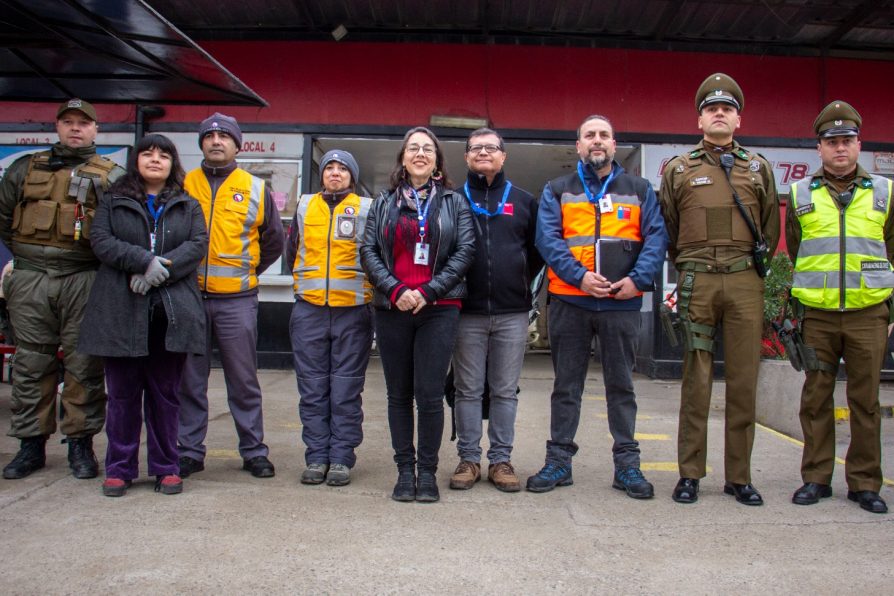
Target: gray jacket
point(116, 321)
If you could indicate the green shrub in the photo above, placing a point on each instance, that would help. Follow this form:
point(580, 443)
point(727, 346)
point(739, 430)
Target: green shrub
point(776, 288)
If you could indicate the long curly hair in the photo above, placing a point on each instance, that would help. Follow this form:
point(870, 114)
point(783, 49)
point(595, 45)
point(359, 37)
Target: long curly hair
point(398, 174)
point(132, 183)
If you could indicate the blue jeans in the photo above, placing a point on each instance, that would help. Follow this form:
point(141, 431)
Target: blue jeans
point(571, 332)
point(415, 352)
point(491, 348)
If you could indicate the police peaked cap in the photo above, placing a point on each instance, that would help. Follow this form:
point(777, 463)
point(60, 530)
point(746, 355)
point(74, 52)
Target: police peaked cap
point(719, 88)
point(838, 119)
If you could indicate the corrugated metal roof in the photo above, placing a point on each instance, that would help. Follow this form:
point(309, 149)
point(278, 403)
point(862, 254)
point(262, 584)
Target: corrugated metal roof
point(790, 27)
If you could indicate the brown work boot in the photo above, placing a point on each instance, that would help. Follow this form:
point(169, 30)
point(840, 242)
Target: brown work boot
point(503, 476)
point(465, 476)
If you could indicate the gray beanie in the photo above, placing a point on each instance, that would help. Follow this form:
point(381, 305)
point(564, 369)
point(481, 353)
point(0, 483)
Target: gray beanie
point(345, 159)
point(222, 123)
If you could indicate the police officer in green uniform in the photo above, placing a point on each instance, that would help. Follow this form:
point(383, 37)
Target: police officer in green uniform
point(47, 201)
point(840, 234)
point(712, 245)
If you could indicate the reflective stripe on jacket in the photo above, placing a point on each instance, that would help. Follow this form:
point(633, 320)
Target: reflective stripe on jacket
point(327, 267)
point(233, 217)
point(580, 218)
point(842, 262)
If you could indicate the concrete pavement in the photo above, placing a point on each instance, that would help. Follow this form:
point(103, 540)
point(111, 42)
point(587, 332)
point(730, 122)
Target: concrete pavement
point(231, 533)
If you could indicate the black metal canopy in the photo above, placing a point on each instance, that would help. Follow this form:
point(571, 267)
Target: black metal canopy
point(109, 51)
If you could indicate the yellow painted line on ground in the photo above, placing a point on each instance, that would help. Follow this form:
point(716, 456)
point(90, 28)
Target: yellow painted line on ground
point(604, 416)
point(842, 413)
point(223, 454)
point(795, 441)
point(294, 425)
point(662, 466)
point(594, 397)
point(651, 437)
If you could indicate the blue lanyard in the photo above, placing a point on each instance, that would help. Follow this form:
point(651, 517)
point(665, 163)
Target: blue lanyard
point(480, 211)
point(590, 197)
point(423, 212)
point(156, 213)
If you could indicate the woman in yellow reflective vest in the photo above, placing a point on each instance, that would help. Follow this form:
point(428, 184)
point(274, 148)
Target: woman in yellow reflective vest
point(331, 324)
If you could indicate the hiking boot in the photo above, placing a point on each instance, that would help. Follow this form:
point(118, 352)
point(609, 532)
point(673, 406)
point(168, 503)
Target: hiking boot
point(502, 475)
point(465, 476)
point(631, 479)
point(339, 475)
point(168, 485)
point(314, 473)
point(260, 467)
point(427, 487)
point(549, 477)
point(405, 489)
point(31, 457)
point(115, 487)
point(189, 466)
point(81, 458)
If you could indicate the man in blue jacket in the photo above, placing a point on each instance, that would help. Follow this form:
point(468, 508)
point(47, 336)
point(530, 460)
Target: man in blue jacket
point(601, 233)
point(493, 325)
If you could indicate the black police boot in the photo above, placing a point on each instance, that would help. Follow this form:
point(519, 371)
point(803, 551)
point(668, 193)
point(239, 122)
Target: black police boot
point(31, 457)
point(81, 459)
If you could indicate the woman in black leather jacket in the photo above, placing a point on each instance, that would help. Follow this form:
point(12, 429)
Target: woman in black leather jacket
point(419, 244)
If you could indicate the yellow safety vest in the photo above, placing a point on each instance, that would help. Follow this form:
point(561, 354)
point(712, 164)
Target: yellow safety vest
point(842, 261)
point(327, 267)
point(233, 217)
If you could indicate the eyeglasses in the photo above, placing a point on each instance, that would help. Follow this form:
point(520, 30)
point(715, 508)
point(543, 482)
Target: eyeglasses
point(428, 150)
point(487, 148)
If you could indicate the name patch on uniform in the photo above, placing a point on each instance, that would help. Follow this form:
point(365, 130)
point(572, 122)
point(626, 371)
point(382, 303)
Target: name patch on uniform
point(875, 266)
point(805, 209)
point(701, 181)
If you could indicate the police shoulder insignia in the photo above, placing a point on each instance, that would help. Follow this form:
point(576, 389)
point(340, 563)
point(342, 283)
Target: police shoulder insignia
point(742, 153)
point(694, 153)
point(754, 166)
point(866, 183)
point(815, 184)
point(680, 169)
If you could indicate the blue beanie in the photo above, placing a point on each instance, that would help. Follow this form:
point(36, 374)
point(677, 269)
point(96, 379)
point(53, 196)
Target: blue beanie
point(221, 123)
point(345, 159)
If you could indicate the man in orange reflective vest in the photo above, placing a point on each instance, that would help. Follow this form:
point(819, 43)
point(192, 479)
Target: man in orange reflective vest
point(245, 237)
point(585, 217)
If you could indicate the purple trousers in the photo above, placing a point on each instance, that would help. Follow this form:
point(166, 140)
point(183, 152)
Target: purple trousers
point(148, 386)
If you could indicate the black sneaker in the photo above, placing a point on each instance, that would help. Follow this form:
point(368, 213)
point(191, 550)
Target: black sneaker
point(427, 487)
point(549, 477)
point(31, 457)
point(260, 467)
point(405, 489)
point(189, 466)
point(631, 479)
point(81, 458)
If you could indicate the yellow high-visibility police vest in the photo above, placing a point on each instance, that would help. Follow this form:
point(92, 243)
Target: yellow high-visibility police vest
point(842, 261)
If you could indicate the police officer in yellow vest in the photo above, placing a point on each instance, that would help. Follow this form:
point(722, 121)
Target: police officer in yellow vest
point(245, 237)
point(47, 202)
point(331, 322)
point(712, 243)
point(840, 233)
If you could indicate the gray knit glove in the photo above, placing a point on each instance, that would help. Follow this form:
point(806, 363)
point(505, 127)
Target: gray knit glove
point(138, 284)
point(156, 273)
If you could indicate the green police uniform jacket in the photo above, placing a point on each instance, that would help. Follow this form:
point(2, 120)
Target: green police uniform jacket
point(703, 223)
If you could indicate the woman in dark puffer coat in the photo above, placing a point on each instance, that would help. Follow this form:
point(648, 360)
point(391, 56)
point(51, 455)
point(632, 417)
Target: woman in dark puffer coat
point(145, 313)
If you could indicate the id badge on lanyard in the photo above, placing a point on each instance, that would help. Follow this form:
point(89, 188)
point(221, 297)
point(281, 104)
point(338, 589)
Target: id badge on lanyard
point(420, 255)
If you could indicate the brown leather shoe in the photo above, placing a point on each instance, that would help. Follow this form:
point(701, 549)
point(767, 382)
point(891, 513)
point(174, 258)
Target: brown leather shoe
point(465, 476)
point(503, 476)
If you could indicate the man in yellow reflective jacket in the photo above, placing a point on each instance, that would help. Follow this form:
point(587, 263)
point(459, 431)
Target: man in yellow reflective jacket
point(840, 234)
point(245, 237)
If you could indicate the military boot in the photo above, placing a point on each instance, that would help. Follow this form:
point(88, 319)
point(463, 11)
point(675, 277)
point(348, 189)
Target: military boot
point(31, 457)
point(81, 459)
